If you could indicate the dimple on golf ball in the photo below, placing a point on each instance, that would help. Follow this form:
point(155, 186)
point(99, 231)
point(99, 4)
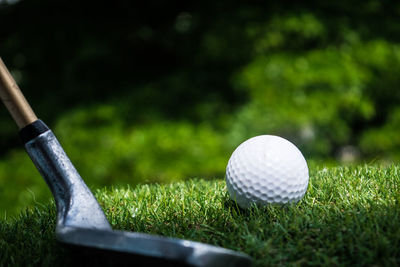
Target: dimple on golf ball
point(266, 169)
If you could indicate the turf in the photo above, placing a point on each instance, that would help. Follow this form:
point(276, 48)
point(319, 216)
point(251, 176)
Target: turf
point(349, 216)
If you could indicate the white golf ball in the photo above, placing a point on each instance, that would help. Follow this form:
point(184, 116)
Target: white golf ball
point(266, 169)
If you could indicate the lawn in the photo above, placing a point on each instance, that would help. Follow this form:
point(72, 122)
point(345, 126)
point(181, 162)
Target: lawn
point(349, 216)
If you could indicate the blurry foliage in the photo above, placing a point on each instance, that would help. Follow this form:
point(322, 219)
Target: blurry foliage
point(320, 99)
point(162, 151)
point(160, 91)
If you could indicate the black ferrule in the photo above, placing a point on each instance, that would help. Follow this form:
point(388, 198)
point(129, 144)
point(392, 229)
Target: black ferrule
point(32, 131)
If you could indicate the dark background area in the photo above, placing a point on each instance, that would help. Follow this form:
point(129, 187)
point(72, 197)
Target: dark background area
point(71, 55)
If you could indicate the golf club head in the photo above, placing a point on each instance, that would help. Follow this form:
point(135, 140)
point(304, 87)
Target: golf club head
point(143, 249)
point(82, 223)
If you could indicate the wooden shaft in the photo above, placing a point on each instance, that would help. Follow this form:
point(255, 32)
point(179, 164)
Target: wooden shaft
point(13, 99)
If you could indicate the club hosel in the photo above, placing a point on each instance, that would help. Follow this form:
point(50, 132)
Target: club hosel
point(76, 205)
point(32, 131)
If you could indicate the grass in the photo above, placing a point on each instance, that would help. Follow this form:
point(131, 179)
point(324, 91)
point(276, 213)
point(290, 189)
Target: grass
point(349, 216)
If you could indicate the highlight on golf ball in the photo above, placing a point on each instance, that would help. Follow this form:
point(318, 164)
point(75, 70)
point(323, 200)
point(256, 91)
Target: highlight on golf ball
point(265, 170)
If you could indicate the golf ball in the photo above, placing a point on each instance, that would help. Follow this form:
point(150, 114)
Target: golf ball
point(266, 169)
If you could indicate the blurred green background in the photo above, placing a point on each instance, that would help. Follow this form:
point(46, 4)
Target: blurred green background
point(159, 91)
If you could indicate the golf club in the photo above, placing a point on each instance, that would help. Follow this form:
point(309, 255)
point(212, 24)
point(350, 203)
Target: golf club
point(81, 223)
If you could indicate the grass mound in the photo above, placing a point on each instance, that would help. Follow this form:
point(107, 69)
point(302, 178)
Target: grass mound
point(349, 216)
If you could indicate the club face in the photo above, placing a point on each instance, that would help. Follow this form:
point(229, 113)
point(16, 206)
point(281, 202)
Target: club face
point(147, 248)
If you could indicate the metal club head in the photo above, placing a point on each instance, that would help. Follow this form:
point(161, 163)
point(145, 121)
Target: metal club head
point(82, 223)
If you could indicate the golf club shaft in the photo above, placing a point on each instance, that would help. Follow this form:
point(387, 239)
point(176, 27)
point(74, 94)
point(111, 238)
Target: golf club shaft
point(14, 100)
point(69, 190)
